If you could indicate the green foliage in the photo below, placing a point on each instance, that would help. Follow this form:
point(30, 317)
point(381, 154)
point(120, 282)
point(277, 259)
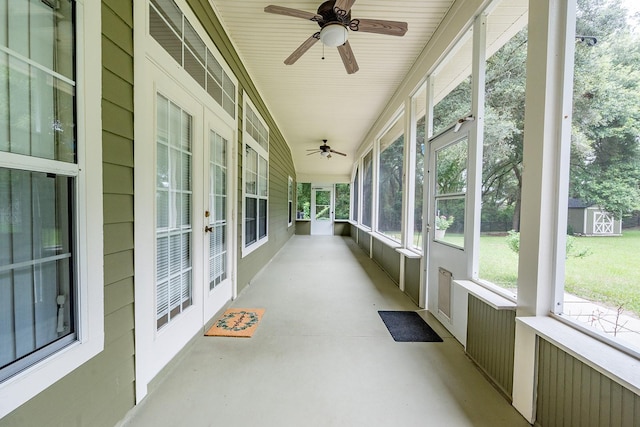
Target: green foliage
point(443, 222)
point(572, 250)
point(609, 274)
point(303, 204)
point(342, 201)
point(513, 241)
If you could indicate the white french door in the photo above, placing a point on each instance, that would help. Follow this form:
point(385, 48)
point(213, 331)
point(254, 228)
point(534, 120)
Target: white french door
point(322, 210)
point(219, 242)
point(185, 241)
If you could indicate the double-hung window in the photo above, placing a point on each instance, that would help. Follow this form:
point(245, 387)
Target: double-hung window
point(255, 179)
point(50, 259)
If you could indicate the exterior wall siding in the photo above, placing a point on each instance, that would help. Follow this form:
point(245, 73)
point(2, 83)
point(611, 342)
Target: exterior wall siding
point(491, 342)
point(281, 165)
point(571, 393)
point(100, 392)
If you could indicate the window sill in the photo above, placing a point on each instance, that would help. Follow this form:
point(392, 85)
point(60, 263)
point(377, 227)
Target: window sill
point(303, 220)
point(613, 363)
point(496, 301)
point(408, 253)
point(387, 241)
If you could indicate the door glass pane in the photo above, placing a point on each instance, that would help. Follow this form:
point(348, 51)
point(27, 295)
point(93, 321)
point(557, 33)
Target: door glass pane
point(217, 209)
point(451, 187)
point(174, 207)
point(323, 205)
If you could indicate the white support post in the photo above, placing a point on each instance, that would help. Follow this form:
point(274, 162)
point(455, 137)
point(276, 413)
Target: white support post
point(545, 180)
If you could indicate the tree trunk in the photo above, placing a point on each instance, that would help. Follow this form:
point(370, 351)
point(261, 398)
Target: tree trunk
point(515, 225)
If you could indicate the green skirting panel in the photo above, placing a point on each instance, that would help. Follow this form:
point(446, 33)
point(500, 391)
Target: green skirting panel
point(571, 393)
point(412, 278)
point(490, 342)
point(388, 258)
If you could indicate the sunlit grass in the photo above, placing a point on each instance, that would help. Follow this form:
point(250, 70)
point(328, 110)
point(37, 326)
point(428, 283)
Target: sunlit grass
point(609, 274)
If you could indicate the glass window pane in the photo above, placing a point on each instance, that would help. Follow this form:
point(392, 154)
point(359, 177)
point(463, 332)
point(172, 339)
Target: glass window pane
point(356, 194)
point(36, 112)
point(36, 264)
point(390, 185)
point(164, 35)
point(303, 200)
point(502, 151)
point(601, 283)
point(452, 87)
point(342, 196)
point(367, 188)
point(173, 212)
point(416, 241)
point(250, 221)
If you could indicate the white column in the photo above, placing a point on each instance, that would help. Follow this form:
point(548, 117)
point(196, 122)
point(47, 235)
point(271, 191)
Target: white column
point(545, 175)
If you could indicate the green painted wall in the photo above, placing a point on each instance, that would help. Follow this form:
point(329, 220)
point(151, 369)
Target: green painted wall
point(100, 392)
point(571, 393)
point(280, 161)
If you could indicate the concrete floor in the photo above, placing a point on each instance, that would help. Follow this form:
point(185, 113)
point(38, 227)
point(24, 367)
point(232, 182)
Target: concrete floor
point(321, 356)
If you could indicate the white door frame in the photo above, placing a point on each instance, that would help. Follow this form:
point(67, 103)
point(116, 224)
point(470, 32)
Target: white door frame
point(215, 299)
point(452, 258)
point(322, 227)
point(155, 70)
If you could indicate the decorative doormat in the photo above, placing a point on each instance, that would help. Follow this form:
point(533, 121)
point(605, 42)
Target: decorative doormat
point(236, 322)
point(408, 326)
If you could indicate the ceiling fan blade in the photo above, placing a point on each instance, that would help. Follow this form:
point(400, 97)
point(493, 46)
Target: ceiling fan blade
point(343, 6)
point(287, 11)
point(302, 49)
point(379, 26)
point(337, 152)
point(314, 152)
point(348, 59)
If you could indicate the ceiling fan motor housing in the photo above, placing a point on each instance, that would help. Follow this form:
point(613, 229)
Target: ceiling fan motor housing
point(329, 16)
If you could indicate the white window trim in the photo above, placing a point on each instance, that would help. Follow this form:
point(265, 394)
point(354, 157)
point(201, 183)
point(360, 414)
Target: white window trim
point(89, 220)
point(248, 141)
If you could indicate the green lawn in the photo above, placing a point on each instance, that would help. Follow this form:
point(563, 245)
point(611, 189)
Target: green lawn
point(610, 273)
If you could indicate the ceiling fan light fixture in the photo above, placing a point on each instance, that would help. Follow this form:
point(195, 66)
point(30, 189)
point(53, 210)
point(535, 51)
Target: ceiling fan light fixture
point(324, 153)
point(333, 35)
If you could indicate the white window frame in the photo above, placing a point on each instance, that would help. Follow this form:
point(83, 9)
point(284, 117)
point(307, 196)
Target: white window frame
point(355, 188)
point(249, 142)
point(88, 220)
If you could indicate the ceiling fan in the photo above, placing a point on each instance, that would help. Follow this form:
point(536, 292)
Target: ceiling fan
point(334, 18)
point(324, 150)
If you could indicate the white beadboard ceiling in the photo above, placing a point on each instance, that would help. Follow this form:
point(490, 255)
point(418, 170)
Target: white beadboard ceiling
point(316, 99)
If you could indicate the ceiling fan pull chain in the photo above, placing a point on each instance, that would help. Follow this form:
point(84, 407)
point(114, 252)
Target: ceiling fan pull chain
point(323, 51)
